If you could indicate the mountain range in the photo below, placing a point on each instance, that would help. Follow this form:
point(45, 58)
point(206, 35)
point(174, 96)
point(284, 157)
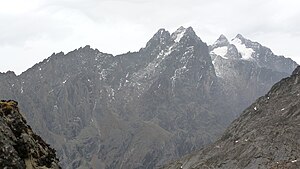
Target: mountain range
point(142, 109)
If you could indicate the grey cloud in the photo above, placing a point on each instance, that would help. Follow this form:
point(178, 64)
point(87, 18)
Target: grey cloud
point(130, 23)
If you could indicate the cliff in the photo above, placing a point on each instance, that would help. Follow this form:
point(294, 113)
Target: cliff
point(20, 147)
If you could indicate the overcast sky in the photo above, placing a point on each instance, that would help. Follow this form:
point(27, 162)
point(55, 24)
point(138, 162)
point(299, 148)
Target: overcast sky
point(31, 30)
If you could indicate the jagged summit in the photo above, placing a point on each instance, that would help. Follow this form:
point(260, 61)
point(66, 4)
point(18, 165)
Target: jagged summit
point(182, 31)
point(163, 42)
point(160, 37)
point(221, 37)
point(241, 48)
point(220, 42)
point(178, 34)
point(240, 36)
point(161, 33)
point(191, 31)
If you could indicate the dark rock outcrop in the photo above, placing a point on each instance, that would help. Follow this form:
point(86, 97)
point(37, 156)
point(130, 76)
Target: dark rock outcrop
point(296, 71)
point(20, 148)
point(266, 135)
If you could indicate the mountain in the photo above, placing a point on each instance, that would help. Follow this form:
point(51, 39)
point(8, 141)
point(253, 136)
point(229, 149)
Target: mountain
point(241, 48)
point(138, 109)
point(20, 147)
point(247, 69)
point(266, 135)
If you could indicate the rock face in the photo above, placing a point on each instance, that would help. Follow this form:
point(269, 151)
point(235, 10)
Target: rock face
point(20, 148)
point(266, 135)
point(140, 109)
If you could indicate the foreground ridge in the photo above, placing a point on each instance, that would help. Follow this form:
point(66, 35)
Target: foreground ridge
point(19, 146)
point(266, 135)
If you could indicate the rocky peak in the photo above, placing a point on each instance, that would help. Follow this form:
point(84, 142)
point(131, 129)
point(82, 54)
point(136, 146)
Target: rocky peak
point(240, 48)
point(178, 34)
point(19, 146)
point(222, 37)
point(255, 46)
point(221, 48)
point(263, 56)
point(220, 42)
point(184, 32)
point(184, 56)
point(161, 37)
point(240, 37)
point(190, 31)
point(241, 41)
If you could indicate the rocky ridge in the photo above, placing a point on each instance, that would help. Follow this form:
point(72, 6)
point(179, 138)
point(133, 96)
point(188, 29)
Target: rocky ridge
point(20, 147)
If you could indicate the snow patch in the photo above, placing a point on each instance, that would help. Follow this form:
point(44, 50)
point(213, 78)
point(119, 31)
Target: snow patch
point(178, 34)
point(255, 108)
point(177, 74)
point(168, 52)
point(103, 74)
point(242, 49)
point(77, 119)
point(221, 51)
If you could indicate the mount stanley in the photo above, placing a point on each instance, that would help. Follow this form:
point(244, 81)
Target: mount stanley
point(142, 109)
